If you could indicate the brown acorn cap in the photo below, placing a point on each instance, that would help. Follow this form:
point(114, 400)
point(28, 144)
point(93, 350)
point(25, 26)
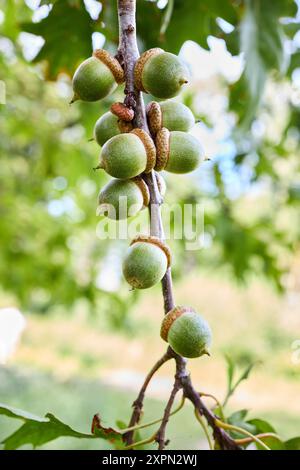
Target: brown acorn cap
point(154, 116)
point(149, 147)
point(138, 180)
point(139, 66)
point(122, 112)
point(155, 241)
point(161, 184)
point(111, 63)
point(169, 319)
point(162, 148)
point(124, 126)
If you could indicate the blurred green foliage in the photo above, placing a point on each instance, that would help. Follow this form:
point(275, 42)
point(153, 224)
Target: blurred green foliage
point(50, 255)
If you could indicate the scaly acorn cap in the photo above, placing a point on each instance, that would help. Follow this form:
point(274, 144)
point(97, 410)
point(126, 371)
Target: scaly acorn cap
point(149, 147)
point(155, 241)
point(124, 126)
point(169, 319)
point(162, 148)
point(154, 116)
point(122, 112)
point(139, 66)
point(138, 180)
point(161, 184)
point(111, 63)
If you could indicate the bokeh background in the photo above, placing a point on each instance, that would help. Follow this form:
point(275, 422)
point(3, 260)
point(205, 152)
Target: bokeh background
point(73, 339)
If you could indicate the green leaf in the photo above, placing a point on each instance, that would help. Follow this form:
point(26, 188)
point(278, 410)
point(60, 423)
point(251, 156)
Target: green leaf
point(231, 387)
point(294, 62)
point(237, 417)
point(261, 425)
point(11, 412)
point(190, 20)
point(38, 431)
point(245, 374)
point(67, 32)
point(291, 28)
point(293, 444)
point(274, 443)
point(262, 43)
point(194, 20)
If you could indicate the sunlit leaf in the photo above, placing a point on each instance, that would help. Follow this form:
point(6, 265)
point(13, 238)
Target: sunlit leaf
point(262, 44)
point(67, 32)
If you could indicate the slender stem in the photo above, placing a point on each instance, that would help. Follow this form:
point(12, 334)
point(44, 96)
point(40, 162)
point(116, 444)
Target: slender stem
point(231, 427)
point(148, 440)
point(265, 435)
point(204, 427)
point(160, 437)
point(218, 403)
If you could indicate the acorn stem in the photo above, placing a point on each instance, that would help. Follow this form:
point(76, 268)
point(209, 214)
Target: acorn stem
point(74, 98)
point(100, 166)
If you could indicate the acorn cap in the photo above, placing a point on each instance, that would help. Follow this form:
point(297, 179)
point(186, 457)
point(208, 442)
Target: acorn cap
point(111, 63)
point(122, 112)
point(138, 180)
point(161, 184)
point(124, 126)
point(155, 241)
point(154, 116)
point(149, 147)
point(170, 317)
point(162, 148)
point(139, 66)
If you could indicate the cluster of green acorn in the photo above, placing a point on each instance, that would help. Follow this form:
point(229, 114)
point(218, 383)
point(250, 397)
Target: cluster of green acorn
point(128, 152)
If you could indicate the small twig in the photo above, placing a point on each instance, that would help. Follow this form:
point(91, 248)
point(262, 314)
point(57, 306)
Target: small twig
point(160, 436)
point(139, 402)
point(155, 421)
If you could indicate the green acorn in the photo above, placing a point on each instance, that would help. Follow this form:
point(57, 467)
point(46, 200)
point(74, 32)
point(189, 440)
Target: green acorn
point(160, 73)
point(146, 262)
point(96, 77)
point(188, 334)
point(125, 156)
point(109, 125)
point(170, 114)
point(177, 152)
point(120, 199)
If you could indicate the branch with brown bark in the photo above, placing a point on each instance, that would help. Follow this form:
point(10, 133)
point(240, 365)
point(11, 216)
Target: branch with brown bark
point(127, 55)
